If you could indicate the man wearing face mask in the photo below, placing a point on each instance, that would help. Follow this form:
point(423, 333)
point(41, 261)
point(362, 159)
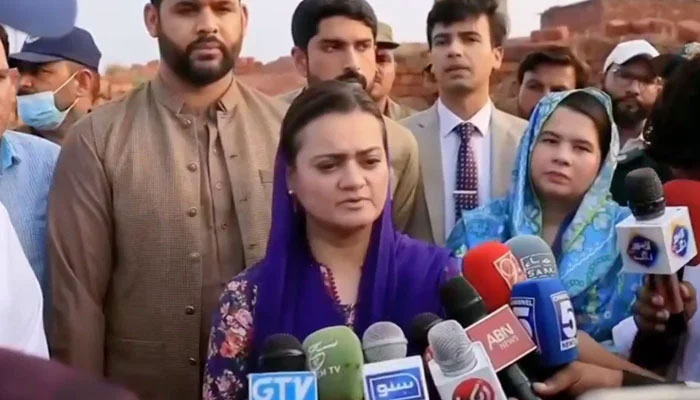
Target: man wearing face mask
point(59, 82)
point(159, 199)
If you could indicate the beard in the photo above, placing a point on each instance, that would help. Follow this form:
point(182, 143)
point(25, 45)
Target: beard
point(185, 67)
point(349, 76)
point(629, 112)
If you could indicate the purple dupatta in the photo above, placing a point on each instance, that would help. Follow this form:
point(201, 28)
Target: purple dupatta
point(401, 276)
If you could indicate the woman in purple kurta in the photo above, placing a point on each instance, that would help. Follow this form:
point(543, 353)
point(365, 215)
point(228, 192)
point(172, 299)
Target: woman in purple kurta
point(290, 291)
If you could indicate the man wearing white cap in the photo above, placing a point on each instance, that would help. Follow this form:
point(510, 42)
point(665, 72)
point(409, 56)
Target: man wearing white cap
point(633, 84)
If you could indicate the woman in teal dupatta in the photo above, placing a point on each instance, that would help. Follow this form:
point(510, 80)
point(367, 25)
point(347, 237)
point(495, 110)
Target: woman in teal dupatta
point(586, 242)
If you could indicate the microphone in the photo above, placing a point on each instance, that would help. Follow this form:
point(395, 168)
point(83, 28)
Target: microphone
point(461, 368)
point(492, 268)
point(544, 308)
point(420, 326)
point(283, 375)
point(282, 386)
point(384, 341)
point(656, 239)
point(535, 256)
point(686, 193)
point(334, 354)
point(389, 375)
point(464, 305)
point(282, 353)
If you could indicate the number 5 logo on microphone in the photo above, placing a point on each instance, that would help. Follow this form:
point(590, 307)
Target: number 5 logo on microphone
point(567, 320)
point(524, 309)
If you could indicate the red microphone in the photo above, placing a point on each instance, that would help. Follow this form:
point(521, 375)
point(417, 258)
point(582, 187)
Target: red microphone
point(493, 270)
point(686, 193)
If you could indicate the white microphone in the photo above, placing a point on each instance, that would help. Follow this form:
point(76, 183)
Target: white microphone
point(388, 375)
point(656, 239)
point(461, 369)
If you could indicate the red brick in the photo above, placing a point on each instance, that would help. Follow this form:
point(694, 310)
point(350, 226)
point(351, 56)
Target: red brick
point(616, 28)
point(688, 31)
point(555, 34)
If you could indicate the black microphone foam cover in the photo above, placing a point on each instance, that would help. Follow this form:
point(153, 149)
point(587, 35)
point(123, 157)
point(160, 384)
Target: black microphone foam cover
point(462, 302)
point(282, 353)
point(420, 326)
point(645, 193)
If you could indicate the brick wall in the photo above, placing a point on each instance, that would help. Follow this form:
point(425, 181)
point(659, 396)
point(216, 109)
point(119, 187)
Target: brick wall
point(578, 17)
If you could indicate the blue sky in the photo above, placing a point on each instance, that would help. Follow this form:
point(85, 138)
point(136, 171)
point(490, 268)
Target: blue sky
point(118, 28)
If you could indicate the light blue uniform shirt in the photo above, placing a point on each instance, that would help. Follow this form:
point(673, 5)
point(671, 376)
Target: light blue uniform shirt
point(26, 169)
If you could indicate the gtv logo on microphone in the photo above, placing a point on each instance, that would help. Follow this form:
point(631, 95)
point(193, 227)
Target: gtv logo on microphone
point(283, 386)
point(396, 385)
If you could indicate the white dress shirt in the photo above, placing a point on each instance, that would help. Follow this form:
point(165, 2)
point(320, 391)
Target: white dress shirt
point(449, 147)
point(633, 144)
point(21, 302)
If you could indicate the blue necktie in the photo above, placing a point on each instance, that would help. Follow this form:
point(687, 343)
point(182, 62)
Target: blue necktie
point(467, 189)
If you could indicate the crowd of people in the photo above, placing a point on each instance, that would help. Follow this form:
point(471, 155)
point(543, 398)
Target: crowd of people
point(156, 241)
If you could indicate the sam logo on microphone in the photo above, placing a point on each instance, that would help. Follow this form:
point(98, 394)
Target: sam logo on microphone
point(474, 389)
point(643, 251)
point(567, 320)
point(679, 241)
point(396, 385)
point(538, 265)
point(283, 386)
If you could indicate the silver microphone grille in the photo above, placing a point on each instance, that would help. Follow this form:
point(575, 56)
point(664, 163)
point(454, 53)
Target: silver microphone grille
point(452, 348)
point(384, 341)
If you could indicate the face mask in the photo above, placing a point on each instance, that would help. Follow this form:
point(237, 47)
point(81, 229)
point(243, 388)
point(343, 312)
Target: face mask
point(39, 110)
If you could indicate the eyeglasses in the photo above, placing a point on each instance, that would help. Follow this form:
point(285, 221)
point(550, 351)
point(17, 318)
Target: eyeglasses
point(626, 78)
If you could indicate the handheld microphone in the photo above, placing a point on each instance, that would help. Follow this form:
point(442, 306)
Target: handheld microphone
point(283, 375)
point(461, 368)
point(464, 305)
point(282, 386)
point(686, 193)
point(656, 239)
point(420, 326)
point(335, 355)
point(492, 268)
point(545, 310)
point(535, 256)
point(389, 375)
point(384, 341)
point(282, 353)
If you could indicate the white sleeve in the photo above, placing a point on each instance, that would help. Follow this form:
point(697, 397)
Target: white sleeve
point(21, 301)
point(623, 337)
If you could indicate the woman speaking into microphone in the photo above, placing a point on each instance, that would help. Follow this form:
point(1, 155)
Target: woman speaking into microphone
point(334, 256)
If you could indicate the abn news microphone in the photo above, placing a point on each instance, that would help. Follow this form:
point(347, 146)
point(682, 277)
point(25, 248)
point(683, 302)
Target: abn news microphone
point(656, 239)
point(492, 268)
point(464, 305)
point(535, 256)
point(389, 375)
point(335, 355)
point(461, 369)
point(284, 376)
